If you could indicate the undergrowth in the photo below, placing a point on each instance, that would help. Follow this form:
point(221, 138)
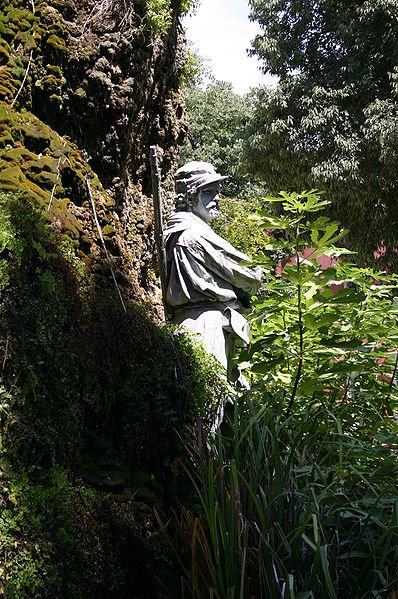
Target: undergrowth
point(87, 393)
point(61, 538)
point(290, 507)
point(295, 496)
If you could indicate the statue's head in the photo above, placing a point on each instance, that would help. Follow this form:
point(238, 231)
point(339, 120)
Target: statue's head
point(198, 189)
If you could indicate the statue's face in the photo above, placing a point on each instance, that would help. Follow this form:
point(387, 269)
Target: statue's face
point(208, 204)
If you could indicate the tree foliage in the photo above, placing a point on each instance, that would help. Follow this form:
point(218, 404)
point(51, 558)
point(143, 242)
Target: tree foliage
point(333, 120)
point(217, 120)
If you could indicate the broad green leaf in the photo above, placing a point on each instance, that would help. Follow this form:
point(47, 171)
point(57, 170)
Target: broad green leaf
point(266, 366)
point(299, 277)
point(344, 296)
point(314, 323)
point(355, 343)
point(341, 368)
point(273, 222)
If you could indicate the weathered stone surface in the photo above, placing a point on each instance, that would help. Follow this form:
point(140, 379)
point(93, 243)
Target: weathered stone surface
point(97, 91)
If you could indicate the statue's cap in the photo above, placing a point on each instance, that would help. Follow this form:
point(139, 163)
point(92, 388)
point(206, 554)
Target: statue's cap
point(194, 175)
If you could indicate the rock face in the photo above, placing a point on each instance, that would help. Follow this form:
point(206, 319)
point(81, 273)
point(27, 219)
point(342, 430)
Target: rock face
point(85, 88)
point(95, 398)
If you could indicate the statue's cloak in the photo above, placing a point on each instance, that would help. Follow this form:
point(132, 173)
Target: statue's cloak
point(206, 282)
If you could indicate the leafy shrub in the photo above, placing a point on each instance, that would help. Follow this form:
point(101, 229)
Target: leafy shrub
point(295, 495)
point(323, 330)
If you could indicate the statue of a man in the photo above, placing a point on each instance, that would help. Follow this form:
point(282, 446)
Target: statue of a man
point(206, 285)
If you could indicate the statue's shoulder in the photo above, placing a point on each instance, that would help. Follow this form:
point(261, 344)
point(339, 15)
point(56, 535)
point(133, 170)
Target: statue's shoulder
point(179, 219)
point(184, 222)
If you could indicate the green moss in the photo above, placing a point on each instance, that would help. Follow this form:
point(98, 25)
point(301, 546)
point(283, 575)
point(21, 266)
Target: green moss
point(20, 155)
point(61, 213)
point(35, 132)
point(11, 178)
point(17, 63)
point(4, 114)
point(54, 70)
point(26, 38)
point(11, 30)
point(38, 165)
point(108, 231)
point(49, 83)
point(55, 99)
point(5, 138)
point(56, 43)
point(4, 52)
point(2, 26)
point(43, 179)
point(6, 91)
point(31, 164)
point(33, 191)
point(24, 18)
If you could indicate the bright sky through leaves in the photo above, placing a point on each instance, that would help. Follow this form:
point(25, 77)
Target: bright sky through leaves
point(221, 32)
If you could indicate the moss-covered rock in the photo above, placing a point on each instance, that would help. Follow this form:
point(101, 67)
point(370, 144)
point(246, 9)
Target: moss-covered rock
point(96, 399)
point(90, 68)
point(83, 362)
point(64, 539)
point(92, 387)
point(49, 170)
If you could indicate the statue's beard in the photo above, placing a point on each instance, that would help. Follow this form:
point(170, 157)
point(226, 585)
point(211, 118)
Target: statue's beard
point(206, 212)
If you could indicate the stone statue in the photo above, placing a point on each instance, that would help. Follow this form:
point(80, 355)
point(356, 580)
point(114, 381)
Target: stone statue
point(206, 285)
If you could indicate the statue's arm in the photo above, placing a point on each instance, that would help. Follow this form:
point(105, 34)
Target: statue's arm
point(190, 278)
point(221, 263)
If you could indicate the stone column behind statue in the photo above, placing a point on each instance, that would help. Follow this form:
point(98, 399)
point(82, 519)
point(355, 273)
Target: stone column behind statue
point(207, 288)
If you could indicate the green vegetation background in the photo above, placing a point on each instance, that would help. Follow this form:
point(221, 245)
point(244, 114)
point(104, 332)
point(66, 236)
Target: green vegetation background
point(296, 494)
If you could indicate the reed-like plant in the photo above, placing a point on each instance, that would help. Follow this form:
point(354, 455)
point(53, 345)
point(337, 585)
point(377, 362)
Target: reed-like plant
point(289, 508)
